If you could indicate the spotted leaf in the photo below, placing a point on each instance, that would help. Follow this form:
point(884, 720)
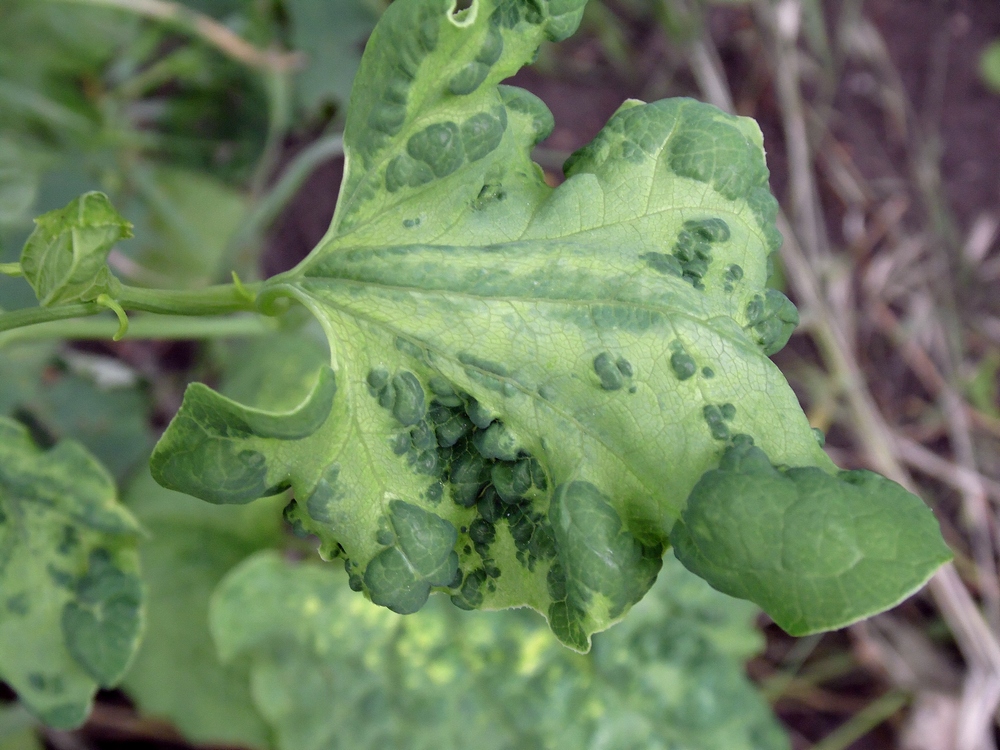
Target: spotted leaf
point(536, 377)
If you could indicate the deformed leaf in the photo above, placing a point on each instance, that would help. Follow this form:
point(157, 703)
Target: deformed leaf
point(331, 671)
point(70, 594)
point(65, 258)
point(817, 551)
point(544, 373)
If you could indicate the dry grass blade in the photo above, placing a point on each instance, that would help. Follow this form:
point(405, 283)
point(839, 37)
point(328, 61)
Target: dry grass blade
point(208, 29)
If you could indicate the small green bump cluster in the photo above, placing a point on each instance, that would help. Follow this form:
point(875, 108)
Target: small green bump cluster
point(472, 74)
point(325, 495)
point(716, 417)
point(733, 274)
point(772, 319)
point(388, 117)
point(493, 375)
point(404, 396)
point(491, 193)
point(681, 362)
point(692, 252)
point(479, 460)
point(442, 147)
point(613, 373)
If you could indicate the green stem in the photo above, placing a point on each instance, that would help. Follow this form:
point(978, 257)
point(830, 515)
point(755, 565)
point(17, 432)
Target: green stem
point(148, 326)
point(212, 300)
point(11, 269)
point(33, 315)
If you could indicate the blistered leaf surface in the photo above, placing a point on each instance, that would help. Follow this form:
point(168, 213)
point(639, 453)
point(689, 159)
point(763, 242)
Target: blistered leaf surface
point(65, 258)
point(70, 594)
point(816, 551)
point(525, 382)
point(331, 671)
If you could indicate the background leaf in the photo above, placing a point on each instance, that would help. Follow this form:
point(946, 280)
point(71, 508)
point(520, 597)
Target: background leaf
point(332, 671)
point(72, 600)
point(332, 34)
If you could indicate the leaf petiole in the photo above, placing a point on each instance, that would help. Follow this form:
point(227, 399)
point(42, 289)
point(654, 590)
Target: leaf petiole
point(148, 326)
point(212, 300)
point(11, 269)
point(33, 315)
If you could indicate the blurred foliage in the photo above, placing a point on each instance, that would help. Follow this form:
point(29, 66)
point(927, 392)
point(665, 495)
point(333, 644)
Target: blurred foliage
point(331, 670)
point(989, 65)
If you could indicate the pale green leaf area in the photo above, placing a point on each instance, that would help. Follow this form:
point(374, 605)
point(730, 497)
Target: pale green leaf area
point(188, 220)
point(525, 383)
point(331, 671)
point(816, 551)
point(276, 371)
point(176, 675)
point(332, 34)
point(70, 595)
point(65, 258)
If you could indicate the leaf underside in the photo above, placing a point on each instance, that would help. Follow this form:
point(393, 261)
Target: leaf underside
point(526, 383)
point(70, 594)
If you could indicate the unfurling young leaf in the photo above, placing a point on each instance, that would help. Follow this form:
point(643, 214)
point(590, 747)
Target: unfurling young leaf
point(526, 383)
point(65, 258)
point(70, 594)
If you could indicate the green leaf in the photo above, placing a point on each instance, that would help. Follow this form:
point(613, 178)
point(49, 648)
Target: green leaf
point(816, 551)
point(71, 601)
point(65, 258)
point(536, 377)
point(176, 674)
point(331, 671)
point(331, 33)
